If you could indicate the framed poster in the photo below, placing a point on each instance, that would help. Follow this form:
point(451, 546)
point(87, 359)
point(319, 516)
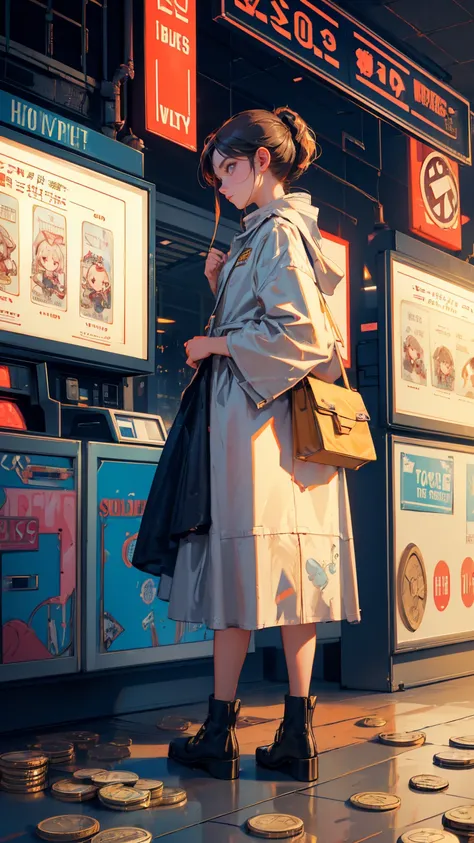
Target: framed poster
point(432, 542)
point(74, 257)
point(430, 332)
point(127, 624)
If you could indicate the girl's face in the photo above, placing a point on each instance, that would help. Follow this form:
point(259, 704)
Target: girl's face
point(444, 367)
point(3, 249)
point(49, 260)
point(237, 178)
point(97, 280)
point(412, 353)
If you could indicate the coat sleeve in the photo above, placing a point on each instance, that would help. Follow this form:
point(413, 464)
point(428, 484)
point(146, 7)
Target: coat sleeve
point(292, 337)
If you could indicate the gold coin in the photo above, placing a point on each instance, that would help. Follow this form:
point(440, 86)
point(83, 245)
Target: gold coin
point(454, 758)
point(69, 827)
point(124, 835)
point(466, 742)
point(412, 587)
point(428, 835)
point(172, 796)
point(66, 788)
point(372, 722)
point(118, 795)
point(461, 818)
point(275, 826)
point(23, 760)
point(108, 752)
point(86, 773)
point(376, 801)
point(23, 788)
point(115, 777)
point(153, 785)
point(402, 738)
point(428, 783)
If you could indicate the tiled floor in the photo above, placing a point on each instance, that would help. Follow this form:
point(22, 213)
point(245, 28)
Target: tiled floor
point(351, 760)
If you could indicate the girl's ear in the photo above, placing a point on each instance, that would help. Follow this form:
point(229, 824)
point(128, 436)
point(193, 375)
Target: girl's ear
point(262, 159)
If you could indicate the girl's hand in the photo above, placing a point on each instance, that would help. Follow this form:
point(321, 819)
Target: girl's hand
point(197, 349)
point(214, 263)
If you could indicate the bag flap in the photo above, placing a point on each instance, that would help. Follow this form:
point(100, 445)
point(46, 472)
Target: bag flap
point(337, 400)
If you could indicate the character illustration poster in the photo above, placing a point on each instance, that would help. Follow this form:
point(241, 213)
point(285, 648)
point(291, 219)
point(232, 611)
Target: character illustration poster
point(131, 615)
point(9, 245)
point(464, 364)
point(443, 352)
point(415, 343)
point(48, 271)
point(97, 273)
point(38, 557)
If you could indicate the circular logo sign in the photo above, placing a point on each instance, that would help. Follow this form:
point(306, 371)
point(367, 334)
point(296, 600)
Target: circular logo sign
point(440, 190)
point(467, 582)
point(441, 586)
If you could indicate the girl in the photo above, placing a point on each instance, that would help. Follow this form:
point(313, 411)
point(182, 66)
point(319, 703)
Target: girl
point(8, 266)
point(97, 289)
point(48, 264)
point(273, 519)
point(413, 364)
point(444, 368)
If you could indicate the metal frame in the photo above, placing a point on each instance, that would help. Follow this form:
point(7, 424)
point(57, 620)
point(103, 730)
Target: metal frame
point(69, 664)
point(396, 420)
point(27, 347)
point(93, 659)
point(428, 643)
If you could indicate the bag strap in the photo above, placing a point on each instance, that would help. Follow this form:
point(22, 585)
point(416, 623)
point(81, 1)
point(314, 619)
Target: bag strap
point(332, 324)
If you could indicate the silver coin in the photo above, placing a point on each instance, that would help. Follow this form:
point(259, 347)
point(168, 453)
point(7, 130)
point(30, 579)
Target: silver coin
point(115, 777)
point(428, 835)
point(173, 724)
point(461, 818)
point(275, 826)
point(67, 828)
point(85, 773)
point(375, 801)
point(123, 835)
point(454, 758)
point(172, 796)
point(428, 783)
point(153, 785)
point(372, 722)
point(402, 738)
point(466, 742)
point(107, 752)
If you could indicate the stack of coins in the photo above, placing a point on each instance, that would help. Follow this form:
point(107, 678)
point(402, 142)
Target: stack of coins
point(104, 777)
point(65, 829)
point(375, 801)
point(120, 798)
point(460, 821)
point(58, 752)
point(171, 796)
point(466, 742)
point(67, 790)
point(428, 783)
point(155, 788)
point(24, 772)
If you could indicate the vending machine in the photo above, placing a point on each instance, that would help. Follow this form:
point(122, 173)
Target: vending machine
point(413, 510)
point(77, 318)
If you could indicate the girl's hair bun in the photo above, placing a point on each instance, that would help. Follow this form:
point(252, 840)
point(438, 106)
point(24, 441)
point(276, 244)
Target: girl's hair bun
point(303, 138)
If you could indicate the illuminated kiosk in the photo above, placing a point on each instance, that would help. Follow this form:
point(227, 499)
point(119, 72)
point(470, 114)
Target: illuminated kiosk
point(77, 312)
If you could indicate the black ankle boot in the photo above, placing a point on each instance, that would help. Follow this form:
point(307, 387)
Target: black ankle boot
point(294, 750)
point(214, 748)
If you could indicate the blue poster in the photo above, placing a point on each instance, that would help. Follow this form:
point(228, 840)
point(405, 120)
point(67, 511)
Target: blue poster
point(426, 484)
point(130, 614)
point(470, 503)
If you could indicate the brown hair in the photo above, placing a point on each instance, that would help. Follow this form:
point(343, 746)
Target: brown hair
point(289, 140)
point(443, 355)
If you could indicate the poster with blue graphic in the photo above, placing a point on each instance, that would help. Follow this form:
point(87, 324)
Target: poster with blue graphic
point(470, 503)
point(426, 484)
point(130, 614)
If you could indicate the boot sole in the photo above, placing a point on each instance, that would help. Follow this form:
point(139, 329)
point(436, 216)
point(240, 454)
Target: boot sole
point(301, 769)
point(227, 770)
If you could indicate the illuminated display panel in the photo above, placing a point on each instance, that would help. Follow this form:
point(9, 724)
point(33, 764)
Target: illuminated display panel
point(73, 257)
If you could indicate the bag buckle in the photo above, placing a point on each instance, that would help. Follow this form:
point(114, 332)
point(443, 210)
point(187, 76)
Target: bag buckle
point(363, 417)
point(331, 407)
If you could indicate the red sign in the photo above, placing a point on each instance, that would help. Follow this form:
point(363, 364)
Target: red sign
point(467, 582)
point(435, 205)
point(441, 586)
point(18, 534)
point(170, 70)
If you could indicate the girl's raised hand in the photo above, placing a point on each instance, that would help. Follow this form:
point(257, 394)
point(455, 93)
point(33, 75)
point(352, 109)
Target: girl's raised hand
point(214, 263)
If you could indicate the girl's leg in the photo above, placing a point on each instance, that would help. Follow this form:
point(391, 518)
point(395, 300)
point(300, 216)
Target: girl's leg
point(299, 644)
point(230, 649)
